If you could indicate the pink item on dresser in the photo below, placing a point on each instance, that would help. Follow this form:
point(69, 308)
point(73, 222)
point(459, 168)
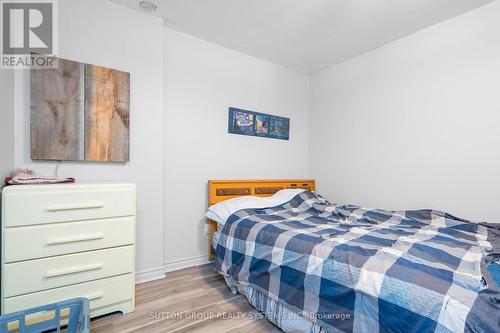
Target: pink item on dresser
point(26, 178)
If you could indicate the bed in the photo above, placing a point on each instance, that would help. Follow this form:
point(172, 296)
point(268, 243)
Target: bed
point(312, 266)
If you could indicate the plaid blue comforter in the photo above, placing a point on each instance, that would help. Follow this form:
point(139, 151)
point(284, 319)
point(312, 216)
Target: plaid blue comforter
point(353, 269)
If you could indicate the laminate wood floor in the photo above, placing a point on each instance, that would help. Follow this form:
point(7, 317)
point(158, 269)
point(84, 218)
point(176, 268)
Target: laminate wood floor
point(190, 300)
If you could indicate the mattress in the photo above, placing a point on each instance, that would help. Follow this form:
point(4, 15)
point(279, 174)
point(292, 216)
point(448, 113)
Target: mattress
point(349, 268)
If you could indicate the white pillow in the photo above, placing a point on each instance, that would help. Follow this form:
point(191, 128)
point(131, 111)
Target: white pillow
point(284, 196)
point(221, 211)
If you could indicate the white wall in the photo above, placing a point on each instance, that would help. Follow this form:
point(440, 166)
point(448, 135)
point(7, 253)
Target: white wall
point(415, 123)
point(202, 81)
point(103, 33)
point(6, 123)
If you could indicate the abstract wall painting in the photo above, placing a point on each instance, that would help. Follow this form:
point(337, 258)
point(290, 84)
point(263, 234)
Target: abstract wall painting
point(80, 112)
point(56, 112)
point(107, 109)
point(252, 123)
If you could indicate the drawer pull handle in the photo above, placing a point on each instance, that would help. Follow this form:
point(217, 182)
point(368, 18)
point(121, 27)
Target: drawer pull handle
point(58, 208)
point(75, 239)
point(93, 297)
point(73, 270)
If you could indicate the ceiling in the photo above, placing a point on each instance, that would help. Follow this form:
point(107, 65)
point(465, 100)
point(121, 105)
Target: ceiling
point(304, 35)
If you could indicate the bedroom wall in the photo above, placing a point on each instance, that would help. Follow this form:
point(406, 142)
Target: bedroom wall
point(107, 34)
point(6, 123)
point(415, 123)
point(201, 81)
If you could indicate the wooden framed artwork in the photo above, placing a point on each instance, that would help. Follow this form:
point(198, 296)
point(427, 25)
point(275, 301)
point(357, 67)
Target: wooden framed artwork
point(245, 122)
point(80, 112)
point(107, 114)
point(57, 112)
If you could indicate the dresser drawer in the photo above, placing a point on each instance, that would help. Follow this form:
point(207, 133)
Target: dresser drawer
point(65, 238)
point(41, 274)
point(41, 205)
point(100, 293)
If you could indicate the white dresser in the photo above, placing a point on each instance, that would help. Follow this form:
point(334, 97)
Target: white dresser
point(68, 240)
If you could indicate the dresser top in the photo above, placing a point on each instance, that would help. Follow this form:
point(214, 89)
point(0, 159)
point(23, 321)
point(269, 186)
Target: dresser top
point(77, 185)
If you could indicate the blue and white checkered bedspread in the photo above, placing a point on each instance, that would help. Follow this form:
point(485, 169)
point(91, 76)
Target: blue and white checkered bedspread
point(353, 269)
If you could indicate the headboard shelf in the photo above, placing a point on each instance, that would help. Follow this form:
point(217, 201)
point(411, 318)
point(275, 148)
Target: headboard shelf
point(220, 190)
point(267, 190)
point(224, 192)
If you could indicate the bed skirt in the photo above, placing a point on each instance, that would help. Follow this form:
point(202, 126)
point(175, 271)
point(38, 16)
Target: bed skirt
point(281, 316)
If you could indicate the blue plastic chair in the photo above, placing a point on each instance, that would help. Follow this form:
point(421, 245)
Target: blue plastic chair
point(78, 318)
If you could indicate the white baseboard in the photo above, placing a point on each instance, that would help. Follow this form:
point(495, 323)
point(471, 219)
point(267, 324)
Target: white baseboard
point(149, 275)
point(175, 265)
point(185, 263)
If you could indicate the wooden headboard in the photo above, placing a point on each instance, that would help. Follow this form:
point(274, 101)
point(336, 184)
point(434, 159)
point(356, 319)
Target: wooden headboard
point(220, 190)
